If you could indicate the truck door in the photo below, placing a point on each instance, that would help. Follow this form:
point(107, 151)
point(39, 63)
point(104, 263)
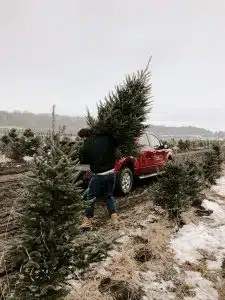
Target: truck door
point(145, 159)
point(158, 153)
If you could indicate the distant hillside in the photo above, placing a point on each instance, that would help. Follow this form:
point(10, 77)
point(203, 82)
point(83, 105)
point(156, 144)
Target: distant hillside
point(43, 121)
point(39, 121)
point(184, 130)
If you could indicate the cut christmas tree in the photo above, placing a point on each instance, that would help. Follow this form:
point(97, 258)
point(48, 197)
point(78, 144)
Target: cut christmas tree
point(124, 112)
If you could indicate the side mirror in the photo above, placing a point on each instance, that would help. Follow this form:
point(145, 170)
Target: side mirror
point(165, 146)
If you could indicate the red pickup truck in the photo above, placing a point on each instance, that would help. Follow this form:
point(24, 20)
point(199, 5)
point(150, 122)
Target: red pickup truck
point(154, 156)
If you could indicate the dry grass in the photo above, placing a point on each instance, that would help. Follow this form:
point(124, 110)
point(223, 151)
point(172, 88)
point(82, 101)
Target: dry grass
point(123, 284)
point(88, 291)
point(123, 267)
point(167, 270)
point(200, 267)
point(153, 244)
point(220, 286)
point(189, 217)
point(158, 237)
point(207, 255)
point(121, 290)
point(143, 254)
point(153, 249)
point(139, 240)
point(183, 290)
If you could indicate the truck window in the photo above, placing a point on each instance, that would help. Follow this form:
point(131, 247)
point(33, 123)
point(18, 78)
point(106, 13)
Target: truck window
point(154, 141)
point(143, 141)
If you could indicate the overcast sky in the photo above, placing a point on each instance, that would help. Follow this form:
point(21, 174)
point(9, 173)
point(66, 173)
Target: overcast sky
point(72, 52)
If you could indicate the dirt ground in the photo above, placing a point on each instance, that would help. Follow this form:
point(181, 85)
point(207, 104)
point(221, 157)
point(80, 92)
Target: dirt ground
point(10, 186)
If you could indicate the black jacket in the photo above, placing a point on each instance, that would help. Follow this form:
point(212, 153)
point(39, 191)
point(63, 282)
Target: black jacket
point(99, 151)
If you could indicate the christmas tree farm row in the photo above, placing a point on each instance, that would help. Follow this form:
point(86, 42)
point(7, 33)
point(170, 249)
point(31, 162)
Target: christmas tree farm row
point(50, 248)
point(17, 145)
point(183, 181)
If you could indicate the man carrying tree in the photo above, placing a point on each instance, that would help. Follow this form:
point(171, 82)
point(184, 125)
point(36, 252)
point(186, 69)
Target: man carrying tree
point(99, 151)
point(120, 119)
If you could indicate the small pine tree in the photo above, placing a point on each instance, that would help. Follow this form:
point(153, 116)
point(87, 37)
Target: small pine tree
point(28, 133)
point(179, 186)
point(15, 146)
point(52, 204)
point(13, 133)
point(172, 143)
point(212, 164)
point(180, 145)
point(124, 112)
point(216, 146)
point(194, 179)
point(11, 145)
point(184, 145)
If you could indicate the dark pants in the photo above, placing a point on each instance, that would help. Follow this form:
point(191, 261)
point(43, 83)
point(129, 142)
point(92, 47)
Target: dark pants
point(101, 186)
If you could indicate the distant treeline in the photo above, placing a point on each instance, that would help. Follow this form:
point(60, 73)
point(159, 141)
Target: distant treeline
point(73, 124)
point(39, 121)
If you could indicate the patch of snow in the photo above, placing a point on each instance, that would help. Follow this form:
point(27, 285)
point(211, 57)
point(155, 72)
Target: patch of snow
point(191, 238)
point(219, 188)
point(218, 215)
point(203, 288)
point(122, 240)
point(28, 158)
point(4, 159)
point(213, 265)
point(156, 289)
point(208, 236)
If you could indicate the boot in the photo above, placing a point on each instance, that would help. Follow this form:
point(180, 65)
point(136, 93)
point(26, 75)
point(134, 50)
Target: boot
point(114, 221)
point(87, 223)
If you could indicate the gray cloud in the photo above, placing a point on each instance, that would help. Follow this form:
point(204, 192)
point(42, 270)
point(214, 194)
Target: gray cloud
point(72, 53)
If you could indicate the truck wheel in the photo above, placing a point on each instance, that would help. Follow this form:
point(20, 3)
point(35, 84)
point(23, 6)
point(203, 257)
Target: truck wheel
point(125, 181)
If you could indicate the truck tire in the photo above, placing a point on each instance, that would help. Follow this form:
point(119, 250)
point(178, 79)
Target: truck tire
point(125, 181)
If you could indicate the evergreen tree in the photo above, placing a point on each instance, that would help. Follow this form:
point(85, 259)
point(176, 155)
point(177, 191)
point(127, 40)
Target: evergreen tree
point(52, 203)
point(13, 133)
point(217, 147)
point(179, 186)
point(124, 112)
point(11, 145)
point(30, 141)
point(184, 145)
point(28, 133)
point(16, 146)
point(212, 164)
